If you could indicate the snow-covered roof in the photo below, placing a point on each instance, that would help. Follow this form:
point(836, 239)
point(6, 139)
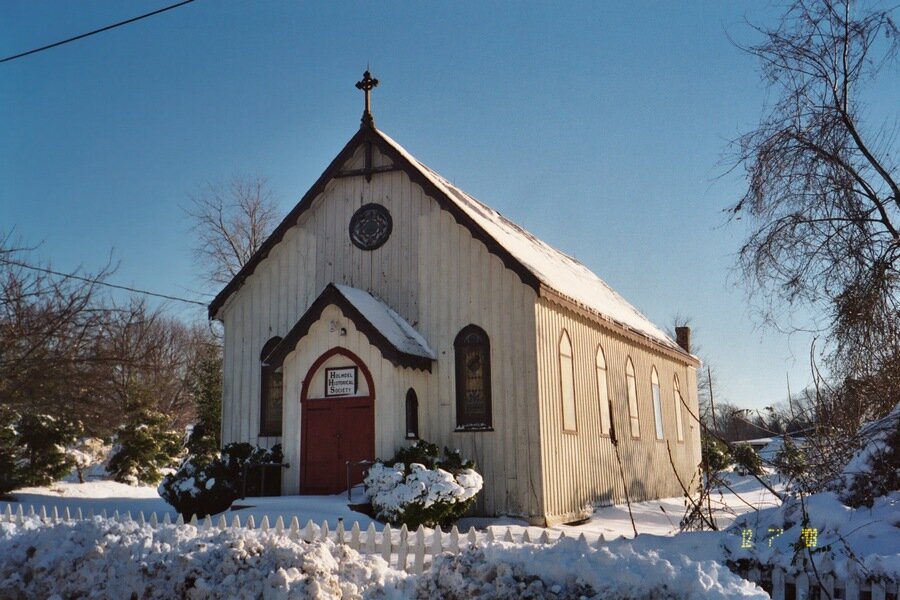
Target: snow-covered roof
point(392, 326)
point(553, 268)
point(395, 338)
point(549, 271)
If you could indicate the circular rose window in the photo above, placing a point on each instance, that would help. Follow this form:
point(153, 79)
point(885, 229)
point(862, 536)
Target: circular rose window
point(370, 227)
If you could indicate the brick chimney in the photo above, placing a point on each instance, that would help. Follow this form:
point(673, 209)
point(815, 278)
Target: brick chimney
point(683, 338)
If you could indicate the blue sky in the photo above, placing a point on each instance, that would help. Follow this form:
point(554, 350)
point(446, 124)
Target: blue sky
point(601, 127)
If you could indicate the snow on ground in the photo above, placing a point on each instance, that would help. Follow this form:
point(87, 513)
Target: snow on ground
point(113, 559)
point(103, 558)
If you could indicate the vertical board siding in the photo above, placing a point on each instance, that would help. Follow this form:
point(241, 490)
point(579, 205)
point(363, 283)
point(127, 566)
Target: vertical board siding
point(437, 277)
point(580, 469)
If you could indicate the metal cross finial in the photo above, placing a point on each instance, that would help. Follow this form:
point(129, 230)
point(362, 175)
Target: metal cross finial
point(366, 84)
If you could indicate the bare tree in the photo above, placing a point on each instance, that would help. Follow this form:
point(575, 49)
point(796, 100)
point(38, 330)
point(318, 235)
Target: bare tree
point(823, 195)
point(47, 324)
point(231, 221)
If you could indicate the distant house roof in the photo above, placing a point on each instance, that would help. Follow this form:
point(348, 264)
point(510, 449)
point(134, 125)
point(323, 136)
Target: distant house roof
point(397, 340)
point(550, 272)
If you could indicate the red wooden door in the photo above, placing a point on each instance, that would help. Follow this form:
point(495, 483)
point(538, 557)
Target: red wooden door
point(335, 430)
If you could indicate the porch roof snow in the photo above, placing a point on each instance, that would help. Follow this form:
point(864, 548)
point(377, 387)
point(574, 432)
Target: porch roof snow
point(392, 326)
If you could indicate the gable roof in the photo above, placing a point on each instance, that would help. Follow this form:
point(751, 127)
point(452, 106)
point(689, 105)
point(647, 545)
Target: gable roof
point(397, 340)
point(551, 273)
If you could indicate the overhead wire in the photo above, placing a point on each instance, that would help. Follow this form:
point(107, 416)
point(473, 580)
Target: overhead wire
point(94, 32)
point(96, 281)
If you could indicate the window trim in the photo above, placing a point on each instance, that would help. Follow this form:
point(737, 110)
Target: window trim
point(679, 415)
point(656, 400)
point(265, 374)
point(564, 336)
point(412, 401)
point(600, 355)
point(459, 377)
point(631, 388)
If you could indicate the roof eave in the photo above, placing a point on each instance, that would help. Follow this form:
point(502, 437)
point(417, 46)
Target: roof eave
point(674, 352)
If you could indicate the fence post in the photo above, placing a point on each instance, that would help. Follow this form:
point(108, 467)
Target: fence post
point(309, 533)
point(454, 540)
point(851, 589)
point(354, 536)
point(386, 544)
point(472, 537)
point(436, 543)
point(236, 522)
point(324, 537)
point(801, 585)
point(419, 561)
point(508, 536)
point(526, 539)
point(339, 532)
point(545, 537)
point(279, 525)
point(294, 533)
point(403, 550)
point(777, 583)
point(370, 539)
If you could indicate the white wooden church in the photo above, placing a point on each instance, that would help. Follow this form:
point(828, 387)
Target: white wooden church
point(389, 305)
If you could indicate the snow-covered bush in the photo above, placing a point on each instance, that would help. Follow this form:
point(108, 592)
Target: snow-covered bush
point(790, 460)
point(88, 455)
point(746, 460)
point(874, 470)
point(145, 447)
point(206, 486)
point(432, 492)
point(715, 454)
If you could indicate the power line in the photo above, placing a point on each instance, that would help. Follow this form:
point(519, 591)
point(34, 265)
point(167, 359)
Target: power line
point(98, 282)
point(90, 33)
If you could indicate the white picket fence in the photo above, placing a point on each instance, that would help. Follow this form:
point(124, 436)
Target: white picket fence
point(413, 551)
point(805, 585)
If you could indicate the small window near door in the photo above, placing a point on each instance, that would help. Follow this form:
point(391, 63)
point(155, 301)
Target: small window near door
point(270, 393)
point(412, 415)
point(472, 350)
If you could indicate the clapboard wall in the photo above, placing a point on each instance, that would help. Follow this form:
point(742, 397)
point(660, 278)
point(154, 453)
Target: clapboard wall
point(436, 276)
point(580, 469)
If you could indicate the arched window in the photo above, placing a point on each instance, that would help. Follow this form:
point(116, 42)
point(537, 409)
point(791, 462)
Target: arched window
point(602, 393)
point(657, 402)
point(472, 351)
point(679, 421)
point(567, 382)
point(412, 415)
point(270, 392)
point(631, 390)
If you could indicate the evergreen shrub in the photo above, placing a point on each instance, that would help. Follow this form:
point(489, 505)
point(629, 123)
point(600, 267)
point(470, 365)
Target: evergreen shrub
point(207, 486)
point(746, 460)
point(145, 448)
point(715, 454)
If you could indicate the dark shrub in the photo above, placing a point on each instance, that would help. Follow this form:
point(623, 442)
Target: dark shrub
point(207, 486)
point(746, 460)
